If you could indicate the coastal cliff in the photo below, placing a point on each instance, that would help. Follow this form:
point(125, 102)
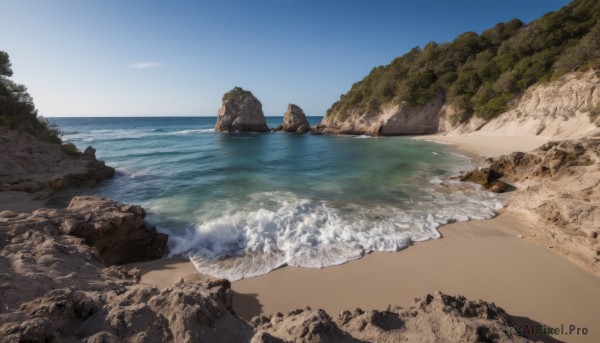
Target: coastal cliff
point(393, 119)
point(563, 109)
point(513, 79)
point(241, 112)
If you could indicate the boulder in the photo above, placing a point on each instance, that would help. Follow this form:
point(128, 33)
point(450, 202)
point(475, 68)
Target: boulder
point(117, 231)
point(294, 120)
point(487, 178)
point(241, 112)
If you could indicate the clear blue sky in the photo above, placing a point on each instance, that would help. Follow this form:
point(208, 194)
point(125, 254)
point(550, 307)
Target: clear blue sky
point(176, 57)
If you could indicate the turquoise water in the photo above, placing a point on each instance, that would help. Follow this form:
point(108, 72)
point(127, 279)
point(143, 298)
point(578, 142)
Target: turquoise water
point(243, 204)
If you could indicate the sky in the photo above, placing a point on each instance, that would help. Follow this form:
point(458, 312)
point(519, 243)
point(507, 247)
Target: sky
point(178, 57)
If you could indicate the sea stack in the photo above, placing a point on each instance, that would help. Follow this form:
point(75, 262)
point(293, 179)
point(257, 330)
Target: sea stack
point(294, 120)
point(241, 112)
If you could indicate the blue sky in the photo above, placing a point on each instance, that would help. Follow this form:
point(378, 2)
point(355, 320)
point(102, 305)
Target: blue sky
point(176, 57)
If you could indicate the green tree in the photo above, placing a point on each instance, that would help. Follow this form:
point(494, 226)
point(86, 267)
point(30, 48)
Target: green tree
point(17, 109)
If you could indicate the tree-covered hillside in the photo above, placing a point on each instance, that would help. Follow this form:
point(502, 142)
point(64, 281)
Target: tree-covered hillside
point(17, 110)
point(480, 74)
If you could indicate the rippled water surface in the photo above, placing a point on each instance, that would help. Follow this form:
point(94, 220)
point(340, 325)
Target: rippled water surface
point(242, 204)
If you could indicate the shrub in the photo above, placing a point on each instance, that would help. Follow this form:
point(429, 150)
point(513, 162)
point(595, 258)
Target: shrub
point(71, 149)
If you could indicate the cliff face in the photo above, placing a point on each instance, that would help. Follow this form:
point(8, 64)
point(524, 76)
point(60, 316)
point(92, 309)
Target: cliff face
point(241, 112)
point(558, 110)
point(402, 119)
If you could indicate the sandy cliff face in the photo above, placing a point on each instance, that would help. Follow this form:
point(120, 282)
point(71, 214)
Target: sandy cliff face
point(557, 110)
point(401, 119)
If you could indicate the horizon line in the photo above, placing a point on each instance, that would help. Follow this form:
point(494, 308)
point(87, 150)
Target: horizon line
point(157, 116)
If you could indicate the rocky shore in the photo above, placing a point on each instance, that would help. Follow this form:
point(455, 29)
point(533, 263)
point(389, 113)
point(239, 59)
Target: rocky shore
point(62, 276)
point(32, 168)
point(56, 286)
point(556, 190)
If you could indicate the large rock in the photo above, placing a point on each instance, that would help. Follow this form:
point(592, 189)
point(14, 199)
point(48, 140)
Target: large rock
point(241, 112)
point(487, 178)
point(294, 120)
point(117, 231)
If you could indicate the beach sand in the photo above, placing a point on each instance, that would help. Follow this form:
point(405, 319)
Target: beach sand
point(489, 146)
point(19, 202)
point(478, 259)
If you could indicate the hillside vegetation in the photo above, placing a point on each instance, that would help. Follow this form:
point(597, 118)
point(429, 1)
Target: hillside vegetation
point(17, 110)
point(481, 73)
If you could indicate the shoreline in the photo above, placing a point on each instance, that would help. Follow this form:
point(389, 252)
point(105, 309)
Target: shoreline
point(482, 259)
point(487, 259)
point(482, 147)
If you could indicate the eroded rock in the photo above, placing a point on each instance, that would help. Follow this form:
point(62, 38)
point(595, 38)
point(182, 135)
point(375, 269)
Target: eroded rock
point(294, 120)
point(241, 112)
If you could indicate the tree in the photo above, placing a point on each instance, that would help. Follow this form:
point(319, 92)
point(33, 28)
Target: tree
point(17, 109)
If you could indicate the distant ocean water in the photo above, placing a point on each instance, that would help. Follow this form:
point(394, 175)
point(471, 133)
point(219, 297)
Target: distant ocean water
point(243, 204)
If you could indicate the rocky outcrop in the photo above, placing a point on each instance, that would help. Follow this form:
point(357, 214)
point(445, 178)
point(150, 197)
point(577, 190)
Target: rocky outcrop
point(37, 167)
point(54, 287)
point(117, 231)
point(294, 120)
point(487, 178)
point(241, 112)
point(557, 110)
point(558, 193)
point(391, 120)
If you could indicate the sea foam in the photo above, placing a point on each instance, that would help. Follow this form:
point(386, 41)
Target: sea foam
point(288, 230)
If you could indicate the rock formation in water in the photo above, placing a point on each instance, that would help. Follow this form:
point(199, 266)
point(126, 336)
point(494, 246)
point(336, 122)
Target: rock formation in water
point(558, 193)
point(294, 120)
point(37, 167)
point(241, 112)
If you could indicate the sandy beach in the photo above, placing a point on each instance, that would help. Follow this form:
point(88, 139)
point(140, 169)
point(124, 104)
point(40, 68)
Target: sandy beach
point(478, 259)
point(19, 202)
point(489, 146)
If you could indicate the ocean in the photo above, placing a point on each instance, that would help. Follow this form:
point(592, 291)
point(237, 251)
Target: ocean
point(242, 204)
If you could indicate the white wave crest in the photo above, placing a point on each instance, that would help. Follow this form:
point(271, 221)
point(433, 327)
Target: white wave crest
point(277, 229)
